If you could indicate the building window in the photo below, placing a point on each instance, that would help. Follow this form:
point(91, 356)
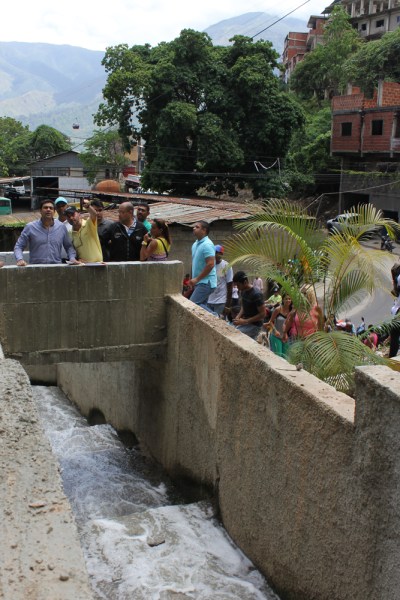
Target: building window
point(346, 129)
point(380, 23)
point(377, 127)
point(397, 128)
point(363, 27)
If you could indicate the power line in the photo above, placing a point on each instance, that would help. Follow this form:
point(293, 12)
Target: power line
point(374, 187)
point(280, 19)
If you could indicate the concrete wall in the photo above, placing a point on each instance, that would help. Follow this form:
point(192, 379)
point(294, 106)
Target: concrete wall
point(307, 479)
point(40, 553)
point(57, 313)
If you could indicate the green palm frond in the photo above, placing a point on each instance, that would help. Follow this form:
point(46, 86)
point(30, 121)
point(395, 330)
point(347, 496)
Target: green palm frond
point(338, 268)
point(384, 328)
point(284, 216)
point(333, 356)
point(354, 271)
point(351, 290)
point(367, 220)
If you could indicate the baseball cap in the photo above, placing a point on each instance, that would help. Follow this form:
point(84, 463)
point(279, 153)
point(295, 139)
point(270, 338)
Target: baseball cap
point(61, 199)
point(219, 249)
point(70, 210)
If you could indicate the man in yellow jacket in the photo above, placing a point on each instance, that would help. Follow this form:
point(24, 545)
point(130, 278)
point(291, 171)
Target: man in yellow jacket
point(84, 235)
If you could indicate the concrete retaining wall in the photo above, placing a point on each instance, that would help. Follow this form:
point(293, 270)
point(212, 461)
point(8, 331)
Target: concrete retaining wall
point(40, 553)
point(57, 313)
point(301, 484)
point(307, 479)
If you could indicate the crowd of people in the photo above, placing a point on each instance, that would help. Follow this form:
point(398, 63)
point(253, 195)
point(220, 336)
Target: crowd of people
point(213, 286)
point(61, 235)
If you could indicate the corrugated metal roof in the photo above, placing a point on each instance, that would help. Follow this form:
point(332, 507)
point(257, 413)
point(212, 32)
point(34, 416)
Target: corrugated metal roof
point(187, 214)
point(199, 203)
point(173, 210)
point(183, 214)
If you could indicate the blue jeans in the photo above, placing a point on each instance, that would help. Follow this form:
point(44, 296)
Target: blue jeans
point(250, 330)
point(217, 308)
point(200, 295)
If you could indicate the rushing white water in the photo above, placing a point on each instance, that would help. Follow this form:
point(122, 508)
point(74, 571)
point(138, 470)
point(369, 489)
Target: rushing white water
point(140, 541)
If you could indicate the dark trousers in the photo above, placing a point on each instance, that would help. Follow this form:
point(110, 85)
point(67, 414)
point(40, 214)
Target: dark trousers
point(394, 342)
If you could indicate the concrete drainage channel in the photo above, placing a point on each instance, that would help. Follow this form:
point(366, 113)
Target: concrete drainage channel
point(139, 539)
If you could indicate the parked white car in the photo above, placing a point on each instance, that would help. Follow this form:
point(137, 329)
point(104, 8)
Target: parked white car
point(341, 221)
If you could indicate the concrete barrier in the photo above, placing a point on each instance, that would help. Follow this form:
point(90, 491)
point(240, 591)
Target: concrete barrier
point(57, 313)
point(303, 484)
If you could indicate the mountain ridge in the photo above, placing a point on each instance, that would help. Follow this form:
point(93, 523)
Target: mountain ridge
point(60, 85)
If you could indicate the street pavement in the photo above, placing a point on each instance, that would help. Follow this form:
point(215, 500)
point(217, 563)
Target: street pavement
point(375, 308)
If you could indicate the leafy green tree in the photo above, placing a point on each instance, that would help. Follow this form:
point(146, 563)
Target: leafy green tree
point(321, 72)
point(206, 113)
point(14, 147)
point(309, 152)
point(337, 272)
point(46, 141)
point(104, 150)
point(19, 146)
point(379, 59)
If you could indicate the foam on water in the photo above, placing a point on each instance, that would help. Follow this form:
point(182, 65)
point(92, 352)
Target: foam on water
point(140, 541)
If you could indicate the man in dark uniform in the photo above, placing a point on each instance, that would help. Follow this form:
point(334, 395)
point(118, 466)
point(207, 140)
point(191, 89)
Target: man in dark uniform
point(125, 237)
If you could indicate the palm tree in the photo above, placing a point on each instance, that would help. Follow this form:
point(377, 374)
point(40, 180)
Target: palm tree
point(324, 276)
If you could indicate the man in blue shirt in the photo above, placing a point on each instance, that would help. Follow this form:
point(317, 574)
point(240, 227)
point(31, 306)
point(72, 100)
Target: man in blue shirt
point(46, 239)
point(204, 275)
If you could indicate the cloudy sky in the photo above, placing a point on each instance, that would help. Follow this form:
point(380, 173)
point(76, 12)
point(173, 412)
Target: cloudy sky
point(96, 25)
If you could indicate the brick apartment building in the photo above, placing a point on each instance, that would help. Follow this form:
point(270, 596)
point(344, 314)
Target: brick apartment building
point(298, 43)
point(371, 18)
point(366, 134)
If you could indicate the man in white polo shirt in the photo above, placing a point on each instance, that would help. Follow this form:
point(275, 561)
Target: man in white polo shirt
point(220, 299)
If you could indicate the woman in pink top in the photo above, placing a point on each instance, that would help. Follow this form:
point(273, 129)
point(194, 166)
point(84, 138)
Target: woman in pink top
point(371, 340)
point(303, 324)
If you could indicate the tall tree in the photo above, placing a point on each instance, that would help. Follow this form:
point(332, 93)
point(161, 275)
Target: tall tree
point(309, 152)
point(46, 141)
point(104, 150)
point(321, 72)
point(206, 113)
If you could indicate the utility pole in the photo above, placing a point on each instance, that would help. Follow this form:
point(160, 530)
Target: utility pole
point(341, 187)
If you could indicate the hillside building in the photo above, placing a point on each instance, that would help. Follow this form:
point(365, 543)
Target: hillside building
point(366, 135)
point(62, 171)
point(298, 43)
point(372, 18)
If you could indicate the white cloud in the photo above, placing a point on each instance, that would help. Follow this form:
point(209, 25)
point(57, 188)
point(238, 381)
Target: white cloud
point(94, 25)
